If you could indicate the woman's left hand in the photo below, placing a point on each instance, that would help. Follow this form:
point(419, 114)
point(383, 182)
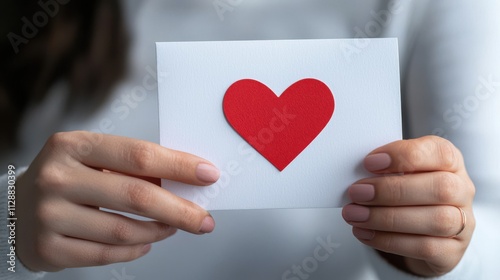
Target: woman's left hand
point(413, 209)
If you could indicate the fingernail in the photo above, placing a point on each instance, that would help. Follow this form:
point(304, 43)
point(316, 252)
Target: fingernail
point(361, 233)
point(356, 213)
point(207, 173)
point(377, 162)
point(207, 225)
point(146, 249)
point(361, 192)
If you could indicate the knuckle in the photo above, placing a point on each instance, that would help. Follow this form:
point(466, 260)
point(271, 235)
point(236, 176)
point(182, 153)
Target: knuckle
point(46, 214)
point(470, 191)
point(139, 197)
point(131, 254)
point(105, 255)
point(50, 178)
point(448, 154)
point(60, 139)
point(471, 221)
point(186, 218)
point(415, 156)
point(162, 231)
point(389, 244)
point(446, 221)
point(121, 232)
point(395, 188)
point(65, 149)
point(453, 260)
point(460, 248)
point(178, 165)
point(446, 187)
point(141, 156)
point(44, 248)
point(389, 219)
point(429, 249)
point(412, 153)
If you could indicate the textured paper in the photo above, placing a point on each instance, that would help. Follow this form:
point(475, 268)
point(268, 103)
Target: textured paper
point(195, 76)
point(279, 128)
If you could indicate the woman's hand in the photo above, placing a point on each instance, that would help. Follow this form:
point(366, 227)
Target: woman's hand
point(411, 209)
point(60, 224)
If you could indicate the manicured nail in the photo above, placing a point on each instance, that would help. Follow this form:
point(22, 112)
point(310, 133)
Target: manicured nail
point(207, 173)
point(361, 233)
point(356, 213)
point(207, 225)
point(361, 192)
point(377, 162)
point(146, 249)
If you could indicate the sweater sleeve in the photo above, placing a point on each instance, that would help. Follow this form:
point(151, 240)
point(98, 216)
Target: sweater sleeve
point(468, 268)
point(451, 89)
point(11, 267)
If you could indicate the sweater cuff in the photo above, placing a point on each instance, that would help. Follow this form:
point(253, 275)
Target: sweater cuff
point(11, 270)
point(468, 267)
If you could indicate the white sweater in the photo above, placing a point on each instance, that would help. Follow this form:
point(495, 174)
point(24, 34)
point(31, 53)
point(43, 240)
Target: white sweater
point(450, 71)
point(11, 267)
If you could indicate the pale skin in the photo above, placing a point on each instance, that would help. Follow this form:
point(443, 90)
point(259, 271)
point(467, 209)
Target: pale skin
point(60, 224)
point(413, 213)
point(410, 215)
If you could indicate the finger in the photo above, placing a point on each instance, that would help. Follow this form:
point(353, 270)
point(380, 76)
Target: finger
point(443, 221)
point(152, 180)
point(94, 225)
point(430, 188)
point(131, 156)
point(136, 196)
point(429, 153)
point(73, 252)
point(437, 252)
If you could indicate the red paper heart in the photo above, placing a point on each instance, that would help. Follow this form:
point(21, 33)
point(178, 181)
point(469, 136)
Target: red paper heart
point(279, 128)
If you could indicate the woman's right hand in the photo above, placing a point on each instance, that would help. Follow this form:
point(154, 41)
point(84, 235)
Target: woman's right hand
point(60, 224)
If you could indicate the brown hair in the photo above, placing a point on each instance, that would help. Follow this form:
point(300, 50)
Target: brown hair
point(42, 42)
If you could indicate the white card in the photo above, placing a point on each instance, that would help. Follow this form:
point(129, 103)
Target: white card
point(360, 86)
